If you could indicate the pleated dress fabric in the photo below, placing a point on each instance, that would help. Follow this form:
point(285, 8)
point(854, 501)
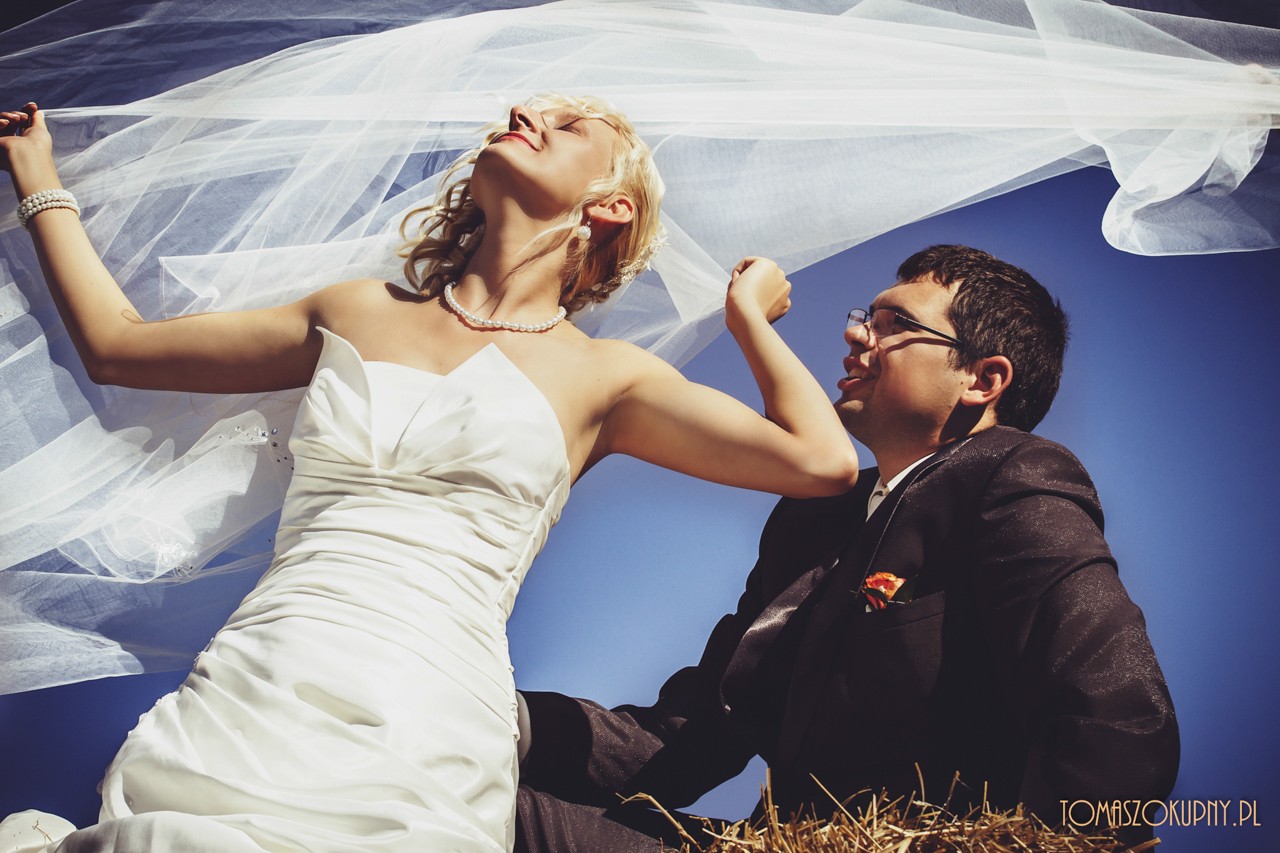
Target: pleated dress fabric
point(361, 697)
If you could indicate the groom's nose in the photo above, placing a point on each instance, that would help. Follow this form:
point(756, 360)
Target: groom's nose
point(859, 336)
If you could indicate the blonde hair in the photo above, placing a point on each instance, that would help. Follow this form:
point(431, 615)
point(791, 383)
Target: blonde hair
point(451, 227)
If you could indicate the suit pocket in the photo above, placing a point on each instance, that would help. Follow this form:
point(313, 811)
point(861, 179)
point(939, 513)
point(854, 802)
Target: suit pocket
point(926, 607)
point(891, 660)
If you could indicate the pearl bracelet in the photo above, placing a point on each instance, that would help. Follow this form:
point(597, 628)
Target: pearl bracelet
point(45, 200)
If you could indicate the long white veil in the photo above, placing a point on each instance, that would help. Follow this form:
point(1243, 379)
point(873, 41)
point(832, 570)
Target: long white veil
point(217, 173)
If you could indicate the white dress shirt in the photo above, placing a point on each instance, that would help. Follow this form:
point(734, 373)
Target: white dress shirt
point(882, 488)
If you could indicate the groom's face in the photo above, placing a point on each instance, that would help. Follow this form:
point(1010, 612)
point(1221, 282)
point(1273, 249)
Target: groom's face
point(901, 386)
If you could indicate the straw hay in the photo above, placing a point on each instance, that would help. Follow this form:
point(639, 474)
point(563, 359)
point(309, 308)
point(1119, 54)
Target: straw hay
point(895, 825)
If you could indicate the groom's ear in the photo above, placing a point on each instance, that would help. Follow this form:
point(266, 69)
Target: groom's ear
point(987, 380)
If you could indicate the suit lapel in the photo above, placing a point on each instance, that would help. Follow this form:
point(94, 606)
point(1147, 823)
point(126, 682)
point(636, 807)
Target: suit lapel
point(863, 551)
point(740, 674)
point(837, 600)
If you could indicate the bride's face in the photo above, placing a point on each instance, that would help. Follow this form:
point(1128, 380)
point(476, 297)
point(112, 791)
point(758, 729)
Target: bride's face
point(544, 161)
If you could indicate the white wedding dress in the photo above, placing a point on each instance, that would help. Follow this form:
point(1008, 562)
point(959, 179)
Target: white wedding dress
point(361, 697)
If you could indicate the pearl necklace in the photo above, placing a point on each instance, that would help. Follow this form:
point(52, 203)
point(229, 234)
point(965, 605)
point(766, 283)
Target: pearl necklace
point(500, 324)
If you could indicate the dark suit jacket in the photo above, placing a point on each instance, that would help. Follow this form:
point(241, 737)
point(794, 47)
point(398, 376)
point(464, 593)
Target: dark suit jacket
point(1020, 663)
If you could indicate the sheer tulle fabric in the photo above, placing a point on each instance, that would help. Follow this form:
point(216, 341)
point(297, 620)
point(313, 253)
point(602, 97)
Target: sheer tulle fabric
point(216, 174)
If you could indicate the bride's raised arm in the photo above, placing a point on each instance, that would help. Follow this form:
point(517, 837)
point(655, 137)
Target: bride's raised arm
point(262, 350)
point(799, 447)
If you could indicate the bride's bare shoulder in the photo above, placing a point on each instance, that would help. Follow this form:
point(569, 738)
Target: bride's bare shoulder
point(624, 360)
point(360, 297)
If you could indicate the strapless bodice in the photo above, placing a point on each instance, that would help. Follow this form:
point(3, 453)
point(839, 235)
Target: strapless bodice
point(399, 462)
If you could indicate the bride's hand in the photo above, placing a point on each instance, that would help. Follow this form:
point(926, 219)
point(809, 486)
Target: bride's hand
point(758, 286)
point(22, 134)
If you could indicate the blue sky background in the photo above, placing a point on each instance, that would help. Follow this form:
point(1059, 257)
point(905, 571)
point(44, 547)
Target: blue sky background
point(1168, 398)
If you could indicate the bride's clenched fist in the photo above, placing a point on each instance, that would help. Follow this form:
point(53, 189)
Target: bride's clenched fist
point(757, 286)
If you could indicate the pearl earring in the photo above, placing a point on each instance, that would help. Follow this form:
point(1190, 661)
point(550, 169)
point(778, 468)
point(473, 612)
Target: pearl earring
point(583, 231)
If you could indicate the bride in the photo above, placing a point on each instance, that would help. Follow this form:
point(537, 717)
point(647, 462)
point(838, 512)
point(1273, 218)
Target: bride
point(361, 696)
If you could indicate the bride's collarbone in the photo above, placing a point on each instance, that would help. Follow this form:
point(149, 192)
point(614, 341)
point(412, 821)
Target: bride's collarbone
point(543, 361)
point(422, 333)
point(575, 375)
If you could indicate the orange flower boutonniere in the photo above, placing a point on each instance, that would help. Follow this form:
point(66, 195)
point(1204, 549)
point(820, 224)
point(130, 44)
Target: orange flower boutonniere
point(881, 589)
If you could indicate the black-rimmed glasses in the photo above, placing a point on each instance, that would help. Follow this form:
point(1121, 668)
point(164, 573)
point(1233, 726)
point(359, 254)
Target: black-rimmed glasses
point(882, 321)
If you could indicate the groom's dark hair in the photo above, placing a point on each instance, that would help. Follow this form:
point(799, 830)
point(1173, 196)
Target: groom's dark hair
point(999, 309)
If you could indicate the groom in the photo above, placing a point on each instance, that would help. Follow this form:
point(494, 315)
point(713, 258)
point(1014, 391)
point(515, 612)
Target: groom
point(957, 611)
